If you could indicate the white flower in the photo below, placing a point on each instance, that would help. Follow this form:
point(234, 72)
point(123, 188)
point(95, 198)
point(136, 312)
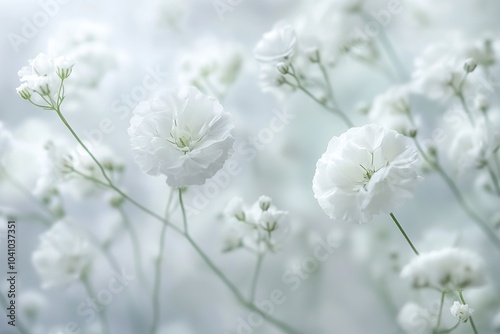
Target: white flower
point(254, 227)
point(264, 203)
point(458, 267)
point(39, 77)
point(461, 311)
point(184, 135)
point(391, 110)
point(276, 45)
point(468, 145)
point(235, 209)
point(439, 71)
point(366, 171)
point(414, 318)
point(64, 66)
point(63, 254)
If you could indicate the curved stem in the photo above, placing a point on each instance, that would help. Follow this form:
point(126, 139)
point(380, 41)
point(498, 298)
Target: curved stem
point(404, 233)
point(462, 299)
point(459, 197)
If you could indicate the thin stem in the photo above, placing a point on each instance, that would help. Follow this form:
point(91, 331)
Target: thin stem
point(335, 109)
point(494, 178)
point(102, 313)
point(285, 327)
point(461, 294)
point(158, 264)
point(246, 303)
point(183, 209)
point(459, 197)
point(404, 233)
point(440, 310)
point(134, 240)
point(255, 279)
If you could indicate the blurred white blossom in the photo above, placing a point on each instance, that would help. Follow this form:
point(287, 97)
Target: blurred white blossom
point(63, 255)
point(459, 267)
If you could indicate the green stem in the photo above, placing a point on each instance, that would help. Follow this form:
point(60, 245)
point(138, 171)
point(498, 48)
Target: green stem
point(333, 108)
point(255, 279)
point(404, 233)
point(440, 310)
point(134, 240)
point(459, 197)
point(183, 209)
point(249, 305)
point(474, 329)
point(158, 265)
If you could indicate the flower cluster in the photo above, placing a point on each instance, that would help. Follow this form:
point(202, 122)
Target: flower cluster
point(184, 135)
point(42, 81)
point(365, 171)
point(449, 266)
point(63, 255)
point(258, 227)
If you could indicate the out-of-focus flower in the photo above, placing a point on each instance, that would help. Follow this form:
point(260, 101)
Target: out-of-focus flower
point(88, 44)
point(458, 267)
point(277, 45)
point(461, 311)
point(62, 256)
point(216, 71)
point(366, 171)
point(414, 318)
point(63, 166)
point(439, 71)
point(470, 146)
point(184, 135)
point(257, 227)
point(391, 110)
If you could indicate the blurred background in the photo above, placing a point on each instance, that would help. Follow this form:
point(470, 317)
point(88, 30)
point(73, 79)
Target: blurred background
point(127, 51)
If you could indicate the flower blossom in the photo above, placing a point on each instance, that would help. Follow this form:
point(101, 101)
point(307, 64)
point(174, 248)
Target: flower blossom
point(366, 171)
point(458, 267)
point(461, 311)
point(184, 135)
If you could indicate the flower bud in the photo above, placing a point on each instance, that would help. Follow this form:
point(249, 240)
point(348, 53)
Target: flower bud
point(313, 55)
point(282, 68)
point(24, 91)
point(264, 203)
point(470, 65)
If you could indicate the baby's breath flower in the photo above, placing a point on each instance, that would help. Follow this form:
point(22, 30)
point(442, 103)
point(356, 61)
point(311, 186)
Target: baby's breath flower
point(458, 267)
point(183, 134)
point(461, 311)
point(277, 45)
point(366, 171)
